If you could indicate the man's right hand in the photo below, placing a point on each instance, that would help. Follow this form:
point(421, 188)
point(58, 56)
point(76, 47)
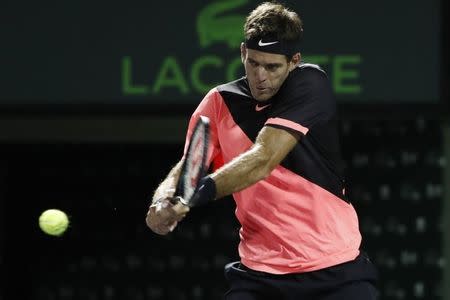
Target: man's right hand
point(163, 216)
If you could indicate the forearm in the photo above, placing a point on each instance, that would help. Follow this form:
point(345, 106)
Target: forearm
point(167, 187)
point(242, 172)
point(270, 148)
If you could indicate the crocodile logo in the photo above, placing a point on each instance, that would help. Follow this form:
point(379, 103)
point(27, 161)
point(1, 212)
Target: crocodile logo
point(215, 26)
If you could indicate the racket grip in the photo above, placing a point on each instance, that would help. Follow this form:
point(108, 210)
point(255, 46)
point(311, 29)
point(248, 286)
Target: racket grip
point(175, 200)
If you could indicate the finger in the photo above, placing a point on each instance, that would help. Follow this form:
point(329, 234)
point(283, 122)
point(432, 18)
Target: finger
point(161, 231)
point(161, 202)
point(163, 209)
point(167, 213)
point(178, 218)
point(155, 227)
point(180, 208)
point(148, 221)
point(166, 228)
point(156, 216)
point(172, 226)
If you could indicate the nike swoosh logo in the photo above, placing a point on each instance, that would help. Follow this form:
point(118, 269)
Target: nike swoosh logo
point(259, 108)
point(262, 44)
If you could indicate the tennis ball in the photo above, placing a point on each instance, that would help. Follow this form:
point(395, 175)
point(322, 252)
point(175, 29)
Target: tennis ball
point(53, 222)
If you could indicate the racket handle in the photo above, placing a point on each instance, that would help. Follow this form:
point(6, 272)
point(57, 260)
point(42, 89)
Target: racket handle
point(173, 201)
point(176, 200)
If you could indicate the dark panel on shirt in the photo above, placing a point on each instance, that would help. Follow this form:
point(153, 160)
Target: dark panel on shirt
point(241, 105)
point(317, 156)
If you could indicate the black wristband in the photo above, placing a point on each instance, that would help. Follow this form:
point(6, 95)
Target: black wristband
point(205, 193)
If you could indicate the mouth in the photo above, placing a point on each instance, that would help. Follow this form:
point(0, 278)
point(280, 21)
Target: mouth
point(262, 89)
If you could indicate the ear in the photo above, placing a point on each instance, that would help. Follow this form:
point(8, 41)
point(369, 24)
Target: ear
point(295, 61)
point(243, 52)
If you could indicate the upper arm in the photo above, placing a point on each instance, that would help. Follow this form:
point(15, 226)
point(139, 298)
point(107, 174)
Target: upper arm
point(274, 144)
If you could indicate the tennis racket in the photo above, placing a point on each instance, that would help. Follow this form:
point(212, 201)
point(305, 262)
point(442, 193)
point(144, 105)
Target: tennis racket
point(194, 165)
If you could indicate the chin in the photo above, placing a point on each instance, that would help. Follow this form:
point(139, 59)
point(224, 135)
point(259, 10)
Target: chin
point(263, 97)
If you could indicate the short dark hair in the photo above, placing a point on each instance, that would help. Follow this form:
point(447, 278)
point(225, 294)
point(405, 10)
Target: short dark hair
point(273, 19)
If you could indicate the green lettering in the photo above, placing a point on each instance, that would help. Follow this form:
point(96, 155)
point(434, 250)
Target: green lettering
point(127, 87)
point(320, 60)
point(198, 65)
point(342, 75)
point(170, 66)
point(232, 69)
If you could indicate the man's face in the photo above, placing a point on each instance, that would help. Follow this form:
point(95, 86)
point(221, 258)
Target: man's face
point(265, 72)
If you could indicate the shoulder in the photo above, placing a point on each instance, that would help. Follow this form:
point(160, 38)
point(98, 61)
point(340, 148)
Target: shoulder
point(305, 78)
point(306, 72)
point(311, 67)
point(308, 85)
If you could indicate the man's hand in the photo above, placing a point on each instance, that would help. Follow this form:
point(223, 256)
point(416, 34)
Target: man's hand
point(163, 216)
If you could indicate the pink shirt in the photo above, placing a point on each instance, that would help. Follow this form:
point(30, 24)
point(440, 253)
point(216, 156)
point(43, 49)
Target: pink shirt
point(289, 224)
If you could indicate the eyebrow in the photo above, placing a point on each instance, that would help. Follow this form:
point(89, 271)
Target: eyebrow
point(269, 65)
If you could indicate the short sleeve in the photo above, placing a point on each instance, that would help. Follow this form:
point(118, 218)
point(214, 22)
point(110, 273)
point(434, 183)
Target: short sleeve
point(304, 101)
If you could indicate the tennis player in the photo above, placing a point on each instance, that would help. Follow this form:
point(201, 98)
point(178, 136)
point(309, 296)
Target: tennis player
point(275, 148)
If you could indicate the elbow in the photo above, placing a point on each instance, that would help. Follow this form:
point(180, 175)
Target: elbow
point(262, 173)
point(264, 167)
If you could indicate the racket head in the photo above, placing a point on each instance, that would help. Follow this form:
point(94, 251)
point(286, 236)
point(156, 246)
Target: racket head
point(194, 165)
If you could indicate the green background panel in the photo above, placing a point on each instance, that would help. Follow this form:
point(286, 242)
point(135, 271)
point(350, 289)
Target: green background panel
point(140, 52)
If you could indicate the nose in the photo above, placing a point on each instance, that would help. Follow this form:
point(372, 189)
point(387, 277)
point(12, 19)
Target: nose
point(261, 74)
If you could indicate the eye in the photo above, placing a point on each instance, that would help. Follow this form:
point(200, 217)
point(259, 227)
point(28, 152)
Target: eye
point(271, 68)
point(253, 63)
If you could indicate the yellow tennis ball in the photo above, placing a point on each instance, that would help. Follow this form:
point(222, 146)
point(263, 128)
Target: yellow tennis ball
point(53, 222)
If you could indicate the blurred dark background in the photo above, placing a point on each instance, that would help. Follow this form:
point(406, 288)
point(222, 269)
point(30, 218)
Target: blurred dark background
point(94, 103)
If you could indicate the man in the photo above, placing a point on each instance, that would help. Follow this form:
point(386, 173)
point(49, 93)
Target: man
point(275, 130)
